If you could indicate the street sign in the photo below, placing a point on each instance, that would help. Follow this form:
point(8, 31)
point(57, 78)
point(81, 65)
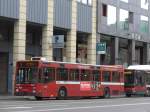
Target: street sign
point(101, 48)
point(58, 41)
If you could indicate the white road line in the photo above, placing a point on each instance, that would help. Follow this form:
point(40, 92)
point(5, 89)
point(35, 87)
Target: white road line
point(32, 106)
point(89, 107)
point(15, 108)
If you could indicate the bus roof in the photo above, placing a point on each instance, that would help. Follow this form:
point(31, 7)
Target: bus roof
point(59, 62)
point(139, 67)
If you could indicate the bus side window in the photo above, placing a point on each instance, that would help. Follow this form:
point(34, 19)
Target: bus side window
point(106, 76)
point(74, 75)
point(85, 75)
point(139, 79)
point(147, 78)
point(40, 75)
point(62, 74)
point(115, 76)
point(96, 75)
point(49, 74)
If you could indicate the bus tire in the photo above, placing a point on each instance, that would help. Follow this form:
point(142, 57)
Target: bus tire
point(62, 93)
point(38, 98)
point(107, 93)
point(128, 95)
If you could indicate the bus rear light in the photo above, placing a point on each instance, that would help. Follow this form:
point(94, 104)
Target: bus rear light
point(133, 90)
point(17, 90)
point(20, 87)
point(45, 87)
point(52, 95)
point(33, 91)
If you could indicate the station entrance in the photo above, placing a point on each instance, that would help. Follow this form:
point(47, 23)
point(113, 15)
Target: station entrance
point(3, 73)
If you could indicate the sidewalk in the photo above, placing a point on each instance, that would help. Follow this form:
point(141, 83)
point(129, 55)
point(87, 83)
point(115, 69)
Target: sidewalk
point(9, 97)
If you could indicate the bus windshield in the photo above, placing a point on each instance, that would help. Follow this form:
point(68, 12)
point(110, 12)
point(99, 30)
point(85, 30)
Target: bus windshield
point(129, 79)
point(27, 75)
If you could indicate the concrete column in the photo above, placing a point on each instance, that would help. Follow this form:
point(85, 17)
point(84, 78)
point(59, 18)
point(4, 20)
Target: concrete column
point(116, 50)
point(19, 42)
point(91, 49)
point(131, 50)
point(47, 50)
point(148, 53)
point(72, 35)
point(98, 56)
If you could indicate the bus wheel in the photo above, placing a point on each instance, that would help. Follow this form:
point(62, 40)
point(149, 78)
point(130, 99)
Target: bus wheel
point(38, 98)
point(128, 95)
point(106, 93)
point(62, 94)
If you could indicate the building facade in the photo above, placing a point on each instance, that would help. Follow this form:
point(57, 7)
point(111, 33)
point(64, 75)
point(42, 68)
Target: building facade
point(29, 28)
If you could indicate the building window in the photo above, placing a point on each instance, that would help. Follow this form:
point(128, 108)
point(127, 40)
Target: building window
point(144, 4)
point(144, 24)
point(124, 20)
point(109, 12)
point(84, 1)
point(87, 2)
point(104, 9)
point(111, 15)
point(124, 1)
point(131, 17)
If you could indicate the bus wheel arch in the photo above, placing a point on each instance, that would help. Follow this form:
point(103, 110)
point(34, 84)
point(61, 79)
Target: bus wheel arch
point(128, 95)
point(38, 98)
point(62, 92)
point(107, 92)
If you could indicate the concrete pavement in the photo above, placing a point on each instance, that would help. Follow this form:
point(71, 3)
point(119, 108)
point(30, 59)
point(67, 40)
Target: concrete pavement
point(134, 104)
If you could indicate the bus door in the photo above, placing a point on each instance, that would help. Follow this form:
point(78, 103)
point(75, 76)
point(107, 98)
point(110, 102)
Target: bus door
point(118, 85)
point(96, 80)
point(140, 82)
point(85, 84)
point(48, 79)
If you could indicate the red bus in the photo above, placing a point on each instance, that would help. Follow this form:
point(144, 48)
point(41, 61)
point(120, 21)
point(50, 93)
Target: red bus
point(44, 79)
point(137, 80)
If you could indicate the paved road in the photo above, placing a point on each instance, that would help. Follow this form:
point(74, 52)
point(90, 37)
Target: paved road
point(136, 104)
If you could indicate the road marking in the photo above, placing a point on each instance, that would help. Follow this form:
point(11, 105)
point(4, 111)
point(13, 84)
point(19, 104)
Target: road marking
point(89, 107)
point(15, 108)
point(30, 107)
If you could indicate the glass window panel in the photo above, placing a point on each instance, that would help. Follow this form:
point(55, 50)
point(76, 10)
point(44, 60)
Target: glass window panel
point(27, 75)
point(74, 75)
point(104, 10)
point(115, 77)
point(84, 1)
point(111, 15)
point(89, 2)
point(62, 74)
point(96, 75)
point(123, 20)
point(85, 75)
point(144, 24)
point(49, 74)
point(106, 76)
point(144, 4)
point(124, 1)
